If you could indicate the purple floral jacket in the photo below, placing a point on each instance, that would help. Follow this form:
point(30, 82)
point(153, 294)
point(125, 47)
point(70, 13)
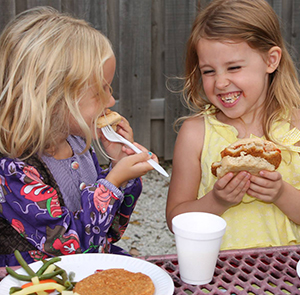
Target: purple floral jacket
point(34, 220)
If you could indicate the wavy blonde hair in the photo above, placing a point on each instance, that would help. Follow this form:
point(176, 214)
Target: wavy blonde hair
point(254, 22)
point(48, 60)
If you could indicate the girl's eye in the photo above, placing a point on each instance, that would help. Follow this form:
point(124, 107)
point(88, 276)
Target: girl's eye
point(208, 72)
point(234, 68)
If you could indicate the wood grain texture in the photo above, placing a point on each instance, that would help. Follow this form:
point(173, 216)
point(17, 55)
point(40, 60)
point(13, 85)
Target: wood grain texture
point(149, 39)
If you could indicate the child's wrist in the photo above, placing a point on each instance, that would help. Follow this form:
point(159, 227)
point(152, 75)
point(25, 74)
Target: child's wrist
point(113, 180)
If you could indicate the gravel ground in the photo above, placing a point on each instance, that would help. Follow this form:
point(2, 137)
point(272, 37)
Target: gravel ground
point(147, 233)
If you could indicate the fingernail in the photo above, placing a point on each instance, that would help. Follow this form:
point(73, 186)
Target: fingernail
point(150, 153)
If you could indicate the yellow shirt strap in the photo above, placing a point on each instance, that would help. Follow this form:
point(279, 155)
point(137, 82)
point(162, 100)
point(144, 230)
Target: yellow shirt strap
point(290, 138)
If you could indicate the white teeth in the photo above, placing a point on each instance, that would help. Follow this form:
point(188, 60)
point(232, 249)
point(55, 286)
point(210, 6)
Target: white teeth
point(230, 98)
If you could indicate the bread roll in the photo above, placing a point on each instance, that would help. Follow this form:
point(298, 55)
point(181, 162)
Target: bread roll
point(110, 118)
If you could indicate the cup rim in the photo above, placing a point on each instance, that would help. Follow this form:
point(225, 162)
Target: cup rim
point(195, 234)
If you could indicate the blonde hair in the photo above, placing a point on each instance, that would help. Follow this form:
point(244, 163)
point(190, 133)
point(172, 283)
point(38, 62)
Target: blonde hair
point(254, 22)
point(48, 60)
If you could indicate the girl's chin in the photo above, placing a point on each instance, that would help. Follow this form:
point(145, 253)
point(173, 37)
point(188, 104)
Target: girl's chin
point(231, 114)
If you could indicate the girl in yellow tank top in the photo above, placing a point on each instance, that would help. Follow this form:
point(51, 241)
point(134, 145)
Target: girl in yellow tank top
point(241, 83)
point(251, 223)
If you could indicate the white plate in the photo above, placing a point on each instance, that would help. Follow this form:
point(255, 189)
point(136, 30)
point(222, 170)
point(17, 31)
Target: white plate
point(86, 264)
point(298, 268)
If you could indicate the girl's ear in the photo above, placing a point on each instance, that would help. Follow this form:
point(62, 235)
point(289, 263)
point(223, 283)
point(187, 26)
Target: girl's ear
point(273, 59)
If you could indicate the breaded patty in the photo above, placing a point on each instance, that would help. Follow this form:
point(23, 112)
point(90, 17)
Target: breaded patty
point(116, 281)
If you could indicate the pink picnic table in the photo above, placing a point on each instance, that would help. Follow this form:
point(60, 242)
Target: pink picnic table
point(251, 271)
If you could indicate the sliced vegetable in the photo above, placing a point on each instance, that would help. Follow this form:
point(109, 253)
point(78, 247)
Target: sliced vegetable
point(48, 278)
point(40, 282)
point(40, 287)
point(50, 268)
point(46, 264)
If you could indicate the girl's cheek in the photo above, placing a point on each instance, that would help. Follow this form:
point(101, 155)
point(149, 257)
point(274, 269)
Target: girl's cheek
point(205, 82)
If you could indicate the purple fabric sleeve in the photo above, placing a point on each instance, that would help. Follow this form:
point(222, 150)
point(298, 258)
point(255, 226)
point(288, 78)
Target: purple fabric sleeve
point(33, 209)
point(131, 194)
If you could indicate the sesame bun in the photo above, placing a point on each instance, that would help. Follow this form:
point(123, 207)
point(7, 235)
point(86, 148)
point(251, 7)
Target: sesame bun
point(251, 154)
point(110, 118)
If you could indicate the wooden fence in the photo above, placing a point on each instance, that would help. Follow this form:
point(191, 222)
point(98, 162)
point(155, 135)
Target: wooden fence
point(149, 38)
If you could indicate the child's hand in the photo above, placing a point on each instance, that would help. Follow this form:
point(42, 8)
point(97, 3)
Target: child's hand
point(116, 150)
point(130, 167)
point(229, 189)
point(267, 187)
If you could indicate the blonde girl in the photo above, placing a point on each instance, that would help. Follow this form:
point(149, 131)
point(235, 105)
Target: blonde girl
point(55, 76)
point(240, 83)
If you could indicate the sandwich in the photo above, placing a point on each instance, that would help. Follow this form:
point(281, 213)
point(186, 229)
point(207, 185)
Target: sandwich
point(115, 281)
point(250, 154)
point(109, 118)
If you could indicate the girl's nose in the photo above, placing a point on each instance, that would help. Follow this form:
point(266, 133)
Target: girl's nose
point(222, 81)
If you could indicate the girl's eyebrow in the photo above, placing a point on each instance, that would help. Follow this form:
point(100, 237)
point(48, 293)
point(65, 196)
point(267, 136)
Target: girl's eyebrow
point(234, 61)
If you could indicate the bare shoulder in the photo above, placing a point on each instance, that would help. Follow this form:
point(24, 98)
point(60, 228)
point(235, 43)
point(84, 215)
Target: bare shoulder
point(193, 126)
point(191, 135)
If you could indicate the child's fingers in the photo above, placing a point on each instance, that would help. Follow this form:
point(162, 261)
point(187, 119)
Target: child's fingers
point(129, 151)
point(139, 163)
point(128, 168)
point(125, 130)
point(124, 122)
point(141, 157)
point(233, 183)
point(154, 157)
point(223, 181)
point(142, 148)
point(269, 175)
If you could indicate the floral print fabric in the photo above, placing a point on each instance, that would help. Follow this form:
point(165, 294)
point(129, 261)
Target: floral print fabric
point(35, 210)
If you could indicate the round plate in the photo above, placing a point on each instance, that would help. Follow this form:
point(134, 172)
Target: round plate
point(84, 265)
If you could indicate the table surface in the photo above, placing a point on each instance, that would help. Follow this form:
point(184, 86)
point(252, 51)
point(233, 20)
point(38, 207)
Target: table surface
point(250, 271)
point(269, 271)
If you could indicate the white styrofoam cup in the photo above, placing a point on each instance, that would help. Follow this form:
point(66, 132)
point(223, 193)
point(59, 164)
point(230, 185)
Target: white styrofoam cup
point(198, 237)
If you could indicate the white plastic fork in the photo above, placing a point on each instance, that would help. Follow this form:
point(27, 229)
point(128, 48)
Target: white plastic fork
point(112, 136)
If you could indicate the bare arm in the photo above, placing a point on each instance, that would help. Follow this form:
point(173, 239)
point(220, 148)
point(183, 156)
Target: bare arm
point(186, 177)
point(186, 173)
point(289, 202)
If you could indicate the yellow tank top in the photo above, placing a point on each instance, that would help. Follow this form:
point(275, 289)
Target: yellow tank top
point(252, 223)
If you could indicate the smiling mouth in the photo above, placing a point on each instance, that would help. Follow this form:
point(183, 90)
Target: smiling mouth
point(230, 97)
